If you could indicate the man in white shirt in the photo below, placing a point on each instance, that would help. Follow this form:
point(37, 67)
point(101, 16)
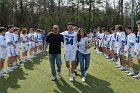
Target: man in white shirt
point(10, 47)
point(137, 48)
point(120, 41)
point(39, 41)
point(31, 42)
point(3, 51)
point(16, 50)
point(130, 49)
point(112, 44)
point(36, 45)
point(70, 46)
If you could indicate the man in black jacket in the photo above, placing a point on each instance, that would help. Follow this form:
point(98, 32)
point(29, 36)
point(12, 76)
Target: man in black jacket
point(54, 39)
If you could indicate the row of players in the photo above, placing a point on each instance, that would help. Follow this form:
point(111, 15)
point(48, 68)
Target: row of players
point(11, 43)
point(120, 43)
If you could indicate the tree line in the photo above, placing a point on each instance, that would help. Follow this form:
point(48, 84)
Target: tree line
point(88, 14)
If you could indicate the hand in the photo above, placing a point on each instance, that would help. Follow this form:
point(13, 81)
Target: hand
point(14, 45)
point(50, 33)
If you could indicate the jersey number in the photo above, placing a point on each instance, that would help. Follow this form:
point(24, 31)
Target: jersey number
point(138, 39)
point(126, 42)
point(69, 41)
point(117, 39)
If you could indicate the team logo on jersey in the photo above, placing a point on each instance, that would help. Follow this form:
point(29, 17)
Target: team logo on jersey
point(69, 39)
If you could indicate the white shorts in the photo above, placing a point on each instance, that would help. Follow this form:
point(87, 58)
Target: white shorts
point(17, 51)
point(24, 48)
point(10, 51)
point(32, 44)
point(130, 54)
point(37, 44)
point(100, 43)
point(40, 43)
point(3, 56)
point(70, 55)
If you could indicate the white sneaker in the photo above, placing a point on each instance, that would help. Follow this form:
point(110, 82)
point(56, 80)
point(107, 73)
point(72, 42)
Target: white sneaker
point(136, 76)
point(23, 61)
point(112, 59)
point(118, 66)
point(53, 78)
point(60, 74)
point(107, 57)
point(34, 55)
point(27, 59)
point(10, 69)
point(128, 71)
point(98, 52)
point(83, 79)
point(71, 78)
point(122, 68)
point(131, 73)
point(13, 67)
point(31, 56)
point(2, 74)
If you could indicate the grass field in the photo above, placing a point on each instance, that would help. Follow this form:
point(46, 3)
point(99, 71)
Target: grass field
point(102, 77)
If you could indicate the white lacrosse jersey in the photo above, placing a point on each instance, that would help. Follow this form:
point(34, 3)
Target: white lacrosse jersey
point(138, 41)
point(39, 37)
point(130, 42)
point(35, 35)
point(9, 37)
point(70, 41)
point(16, 39)
point(3, 43)
point(112, 40)
point(120, 39)
point(24, 38)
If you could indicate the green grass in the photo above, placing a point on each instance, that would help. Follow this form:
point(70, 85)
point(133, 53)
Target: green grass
point(102, 77)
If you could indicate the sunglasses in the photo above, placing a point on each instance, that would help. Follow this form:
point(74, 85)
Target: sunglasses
point(55, 28)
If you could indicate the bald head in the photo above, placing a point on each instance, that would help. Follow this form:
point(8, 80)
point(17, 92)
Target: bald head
point(55, 29)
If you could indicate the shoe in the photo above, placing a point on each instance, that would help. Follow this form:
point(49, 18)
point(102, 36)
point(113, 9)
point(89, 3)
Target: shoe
point(136, 76)
point(60, 74)
point(112, 59)
point(34, 56)
point(23, 61)
point(71, 78)
point(83, 79)
point(2, 74)
point(107, 57)
point(131, 73)
point(17, 64)
point(27, 59)
point(118, 66)
point(13, 67)
point(53, 78)
point(122, 68)
point(10, 69)
point(31, 56)
point(127, 71)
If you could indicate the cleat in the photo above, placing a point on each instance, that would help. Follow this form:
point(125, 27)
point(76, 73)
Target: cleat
point(83, 79)
point(53, 78)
